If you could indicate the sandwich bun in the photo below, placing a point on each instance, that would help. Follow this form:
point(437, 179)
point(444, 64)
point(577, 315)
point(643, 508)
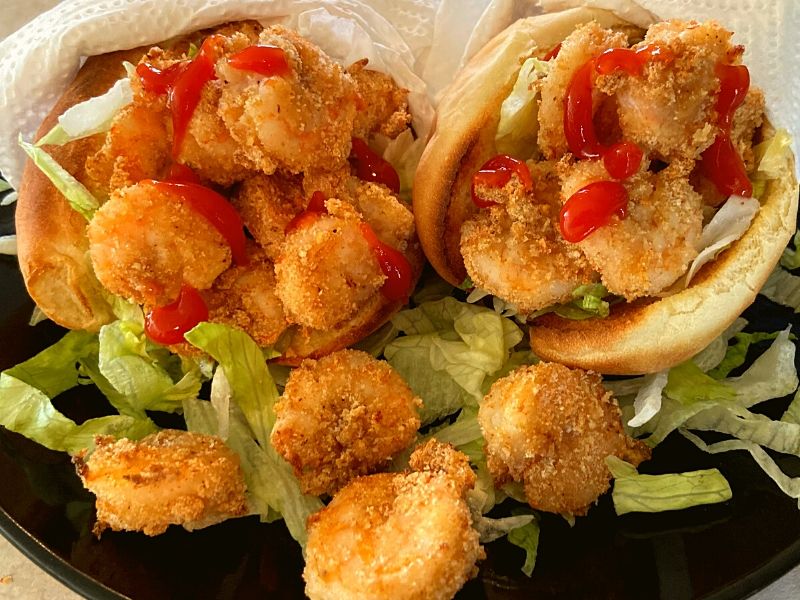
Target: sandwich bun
point(643, 336)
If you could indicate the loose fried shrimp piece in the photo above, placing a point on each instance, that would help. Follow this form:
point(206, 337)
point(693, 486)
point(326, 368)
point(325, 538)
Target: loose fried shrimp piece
point(342, 416)
point(299, 121)
point(399, 536)
point(551, 428)
point(583, 44)
point(145, 243)
point(244, 297)
point(267, 203)
point(169, 477)
point(670, 110)
point(137, 147)
point(746, 120)
point(327, 270)
point(514, 251)
point(644, 253)
point(435, 457)
point(382, 105)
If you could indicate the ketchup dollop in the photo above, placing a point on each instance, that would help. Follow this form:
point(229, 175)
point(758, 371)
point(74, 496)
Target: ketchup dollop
point(371, 166)
point(167, 324)
point(179, 173)
point(215, 209)
point(315, 208)
point(622, 159)
point(592, 207)
point(264, 60)
point(721, 162)
point(183, 83)
point(496, 172)
point(399, 275)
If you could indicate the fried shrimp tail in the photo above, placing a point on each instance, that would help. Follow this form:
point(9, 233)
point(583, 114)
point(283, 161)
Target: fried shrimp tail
point(168, 478)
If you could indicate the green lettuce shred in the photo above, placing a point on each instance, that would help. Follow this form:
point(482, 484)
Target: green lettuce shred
point(79, 198)
point(634, 492)
point(772, 154)
point(518, 125)
point(588, 303)
point(737, 352)
point(527, 538)
point(784, 288)
point(791, 256)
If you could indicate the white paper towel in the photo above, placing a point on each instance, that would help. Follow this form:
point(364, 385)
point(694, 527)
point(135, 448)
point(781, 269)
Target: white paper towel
point(422, 43)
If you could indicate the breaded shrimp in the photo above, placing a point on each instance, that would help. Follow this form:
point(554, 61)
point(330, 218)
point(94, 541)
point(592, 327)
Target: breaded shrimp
point(670, 109)
point(267, 203)
point(296, 122)
point(326, 270)
point(514, 251)
point(342, 416)
point(382, 104)
point(551, 428)
point(169, 477)
point(746, 120)
point(145, 244)
point(244, 297)
point(392, 536)
point(436, 457)
point(644, 253)
point(583, 44)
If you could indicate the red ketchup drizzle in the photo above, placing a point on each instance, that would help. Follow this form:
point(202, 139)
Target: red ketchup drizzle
point(622, 159)
point(315, 209)
point(167, 324)
point(399, 275)
point(496, 172)
point(215, 209)
point(370, 166)
point(183, 83)
point(592, 207)
point(179, 173)
point(553, 52)
point(264, 60)
point(721, 162)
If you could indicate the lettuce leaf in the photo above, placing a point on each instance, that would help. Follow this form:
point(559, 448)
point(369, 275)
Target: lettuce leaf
point(79, 198)
point(784, 288)
point(518, 125)
point(4, 185)
point(91, 116)
point(588, 303)
point(687, 384)
point(634, 492)
point(9, 199)
point(772, 154)
point(8, 244)
point(791, 256)
point(527, 538)
point(648, 398)
point(737, 352)
point(792, 414)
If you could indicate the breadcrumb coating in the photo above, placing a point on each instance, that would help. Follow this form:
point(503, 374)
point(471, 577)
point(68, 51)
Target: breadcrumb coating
point(551, 428)
point(145, 244)
point(167, 478)
point(342, 416)
point(382, 106)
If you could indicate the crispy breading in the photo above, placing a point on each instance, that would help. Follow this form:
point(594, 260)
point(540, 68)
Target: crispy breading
point(551, 428)
point(342, 416)
point(382, 106)
point(168, 478)
point(435, 457)
point(145, 244)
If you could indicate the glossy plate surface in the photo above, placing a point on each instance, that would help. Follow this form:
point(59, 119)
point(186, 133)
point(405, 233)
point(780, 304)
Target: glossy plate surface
point(722, 551)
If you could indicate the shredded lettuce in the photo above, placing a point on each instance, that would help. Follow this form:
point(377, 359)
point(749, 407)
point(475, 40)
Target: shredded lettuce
point(527, 538)
point(37, 316)
point(448, 351)
point(634, 492)
point(737, 352)
point(784, 288)
point(687, 384)
point(729, 224)
point(253, 394)
point(792, 414)
point(648, 398)
point(8, 244)
point(493, 529)
point(79, 198)
point(9, 199)
point(588, 303)
point(4, 185)
point(518, 125)
point(772, 154)
point(791, 256)
point(90, 117)
point(772, 375)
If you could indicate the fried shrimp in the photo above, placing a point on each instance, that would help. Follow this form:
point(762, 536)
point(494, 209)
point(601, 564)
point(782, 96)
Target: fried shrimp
point(267, 203)
point(169, 477)
point(513, 250)
point(382, 104)
point(670, 108)
point(244, 297)
point(342, 416)
point(296, 121)
point(145, 244)
point(402, 536)
point(583, 44)
point(551, 428)
point(326, 269)
point(647, 251)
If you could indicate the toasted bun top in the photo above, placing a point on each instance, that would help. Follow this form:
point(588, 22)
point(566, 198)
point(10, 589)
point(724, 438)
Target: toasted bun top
point(640, 337)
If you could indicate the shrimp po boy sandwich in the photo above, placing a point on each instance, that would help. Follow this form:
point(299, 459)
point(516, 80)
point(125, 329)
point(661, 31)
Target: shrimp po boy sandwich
point(237, 180)
point(618, 186)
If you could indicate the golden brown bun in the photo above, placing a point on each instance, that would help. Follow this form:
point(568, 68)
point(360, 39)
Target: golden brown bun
point(641, 337)
point(51, 236)
point(53, 248)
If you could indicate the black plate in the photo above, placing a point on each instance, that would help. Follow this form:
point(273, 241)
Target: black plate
point(723, 551)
